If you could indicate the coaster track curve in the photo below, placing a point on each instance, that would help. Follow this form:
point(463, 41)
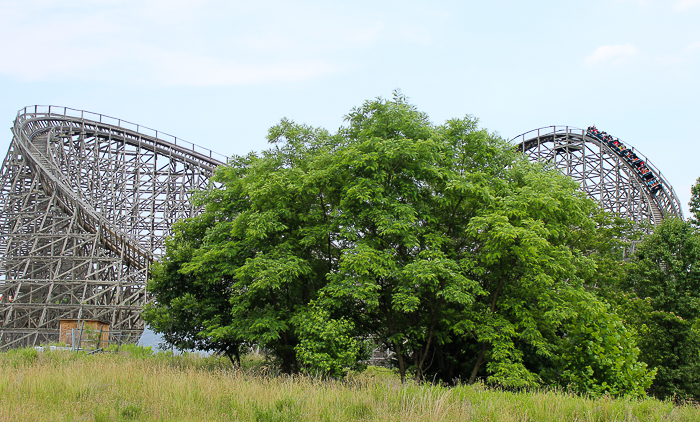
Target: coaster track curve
point(609, 174)
point(87, 202)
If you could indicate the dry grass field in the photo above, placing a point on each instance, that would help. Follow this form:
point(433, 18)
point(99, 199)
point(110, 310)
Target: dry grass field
point(136, 385)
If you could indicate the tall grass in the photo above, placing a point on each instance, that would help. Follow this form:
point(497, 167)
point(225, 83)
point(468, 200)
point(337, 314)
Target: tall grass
point(136, 385)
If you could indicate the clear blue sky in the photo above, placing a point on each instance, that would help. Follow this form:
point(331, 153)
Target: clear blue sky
point(219, 73)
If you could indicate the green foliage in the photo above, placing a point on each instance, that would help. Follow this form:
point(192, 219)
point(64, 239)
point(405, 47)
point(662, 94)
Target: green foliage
point(668, 269)
point(467, 261)
point(136, 351)
point(695, 204)
point(130, 411)
point(599, 355)
point(665, 307)
point(241, 271)
point(282, 410)
point(610, 246)
point(189, 308)
point(327, 345)
point(672, 345)
point(524, 260)
point(20, 357)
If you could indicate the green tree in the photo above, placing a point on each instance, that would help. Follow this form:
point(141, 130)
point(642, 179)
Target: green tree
point(664, 305)
point(408, 188)
point(437, 241)
point(327, 346)
point(188, 306)
point(261, 249)
point(695, 204)
point(599, 355)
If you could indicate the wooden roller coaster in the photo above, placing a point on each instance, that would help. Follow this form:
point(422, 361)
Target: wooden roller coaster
point(87, 201)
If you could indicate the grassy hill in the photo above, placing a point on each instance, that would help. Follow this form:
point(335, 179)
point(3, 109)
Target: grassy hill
point(134, 384)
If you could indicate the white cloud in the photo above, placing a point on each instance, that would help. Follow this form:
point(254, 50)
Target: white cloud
point(611, 54)
point(320, 38)
point(183, 68)
point(682, 5)
point(173, 42)
point(155, 66)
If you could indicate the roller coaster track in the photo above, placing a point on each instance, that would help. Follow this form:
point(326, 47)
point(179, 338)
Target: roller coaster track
point(87, 201)
point(605, 173)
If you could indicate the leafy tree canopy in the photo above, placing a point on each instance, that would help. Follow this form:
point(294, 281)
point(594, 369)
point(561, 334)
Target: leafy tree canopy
point(435, 241)
point(663, 303)
point(695, 204)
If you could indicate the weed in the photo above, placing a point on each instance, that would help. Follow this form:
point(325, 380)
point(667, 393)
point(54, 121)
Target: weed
point(359, 411)
point(102, 417)
point(282, 410)
point(20, 357)
point(130, 411)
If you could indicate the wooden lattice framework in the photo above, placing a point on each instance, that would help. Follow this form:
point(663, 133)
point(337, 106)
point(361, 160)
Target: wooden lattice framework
point(604, 175)
point(87, 201)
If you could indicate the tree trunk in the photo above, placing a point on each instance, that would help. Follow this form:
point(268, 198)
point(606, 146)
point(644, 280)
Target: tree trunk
point(479, 361)
point(230, 357)
point(234, 354)
point(419, 364)
point(484, 346)
point(402, 364)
